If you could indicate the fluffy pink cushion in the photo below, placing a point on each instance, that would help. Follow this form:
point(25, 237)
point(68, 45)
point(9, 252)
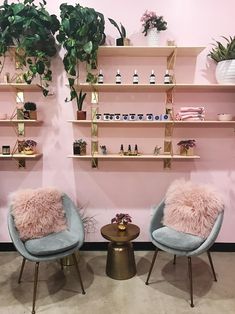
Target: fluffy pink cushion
point(191, 208)
point(37, 213)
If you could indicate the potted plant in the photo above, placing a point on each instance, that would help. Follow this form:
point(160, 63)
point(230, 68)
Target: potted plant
point(153, 25)
point(79, 147)
point(81, 114)
point(29, 147)
point(29, 29)
point(81, 32)
point(30, 110)
point(121, 220)
point(123, 40)
point(224, 56)
point(187, 147)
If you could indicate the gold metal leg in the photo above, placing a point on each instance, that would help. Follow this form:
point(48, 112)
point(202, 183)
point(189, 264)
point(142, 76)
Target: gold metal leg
point(151, 267)
point(212, 266)
point(78, 271)
point(190, 280)
point(35, 286)
point(21, 270)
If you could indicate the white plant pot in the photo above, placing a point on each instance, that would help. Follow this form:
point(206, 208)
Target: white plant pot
point(153, 37)
point(225, 72)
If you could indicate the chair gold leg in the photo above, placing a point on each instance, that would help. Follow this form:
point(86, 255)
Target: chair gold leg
point(78, 271)
point(35, 286)
point(190, 280)
point(174, 261)
point(211, 263)
point(21, 269)
point(61, 264)
point(151, 267)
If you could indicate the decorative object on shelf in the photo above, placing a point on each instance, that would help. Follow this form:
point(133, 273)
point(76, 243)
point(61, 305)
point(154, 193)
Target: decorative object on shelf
point(135, 77)
point(224, 56)
point(187, 147)
point(6, 150)
point(152, 25)
point(170, 42)
point(191, 114)
point(136, 150)
point(103, 149)
point(157, 150)
point(121, 220)
point(100, 79)
point(3, 116)
point(111, 116)
point(30, 111)
point(29, 28)
point(123, 40)
point(225, 117)
point(81, 114)
point(165, 117)
point(132, 116)
point(121, 152)
point(79, 147)
point(98, 116)
point(106, 116)
point(167, 78)
point(118, 78)
point(129, 151)
point(117, 116)
point(152, 78)
point(140, 116)
point(149, 117)
point(29, 147)
point(81, 33)
point(125, 117)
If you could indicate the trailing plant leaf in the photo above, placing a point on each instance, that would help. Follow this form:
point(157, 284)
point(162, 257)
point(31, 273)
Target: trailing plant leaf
point(30, 29)
point(81, 32)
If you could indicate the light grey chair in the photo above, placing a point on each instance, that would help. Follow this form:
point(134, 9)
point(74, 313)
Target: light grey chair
point(181, 244)
point(55, 246)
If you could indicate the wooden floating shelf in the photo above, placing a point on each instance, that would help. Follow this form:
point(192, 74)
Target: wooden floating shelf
point(140, 157)
point(19, 86)
point(113, 122)
point(144, 51)
point(155, 87)
point(20, 156)
point(9, 121)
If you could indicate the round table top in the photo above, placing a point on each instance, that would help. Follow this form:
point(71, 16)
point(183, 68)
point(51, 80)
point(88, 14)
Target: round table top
point(112, 233)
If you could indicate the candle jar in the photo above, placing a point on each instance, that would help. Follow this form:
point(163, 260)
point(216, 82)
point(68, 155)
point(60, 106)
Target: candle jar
point(106, 116)
point(140, 116)
point(132, 116)
point(117, 116)
point(125, 117)
point(98, 116)
point(6, 150)
point(149, 116)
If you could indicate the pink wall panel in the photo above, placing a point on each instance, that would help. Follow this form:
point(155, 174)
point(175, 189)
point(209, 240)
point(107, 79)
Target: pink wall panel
point(132, 187)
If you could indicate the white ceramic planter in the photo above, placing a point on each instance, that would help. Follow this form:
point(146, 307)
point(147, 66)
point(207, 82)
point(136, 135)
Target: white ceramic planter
point(225, 72)
point(153, 37)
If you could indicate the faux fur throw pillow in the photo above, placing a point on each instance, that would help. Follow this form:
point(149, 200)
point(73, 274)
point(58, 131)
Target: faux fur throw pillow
point(191, 208)
point(37, 213)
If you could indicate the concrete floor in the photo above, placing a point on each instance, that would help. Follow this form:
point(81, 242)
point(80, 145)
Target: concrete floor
point(60, 292)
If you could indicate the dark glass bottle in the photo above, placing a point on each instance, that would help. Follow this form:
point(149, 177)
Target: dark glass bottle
point(167, 77)
point(135, 78)
point(152, 78)
point(100, 77)
point(129, 149)
point(118, 78)
point(121, 152)
point(136, 150)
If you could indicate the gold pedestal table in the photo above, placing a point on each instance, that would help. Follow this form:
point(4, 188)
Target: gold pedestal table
point(120, 262)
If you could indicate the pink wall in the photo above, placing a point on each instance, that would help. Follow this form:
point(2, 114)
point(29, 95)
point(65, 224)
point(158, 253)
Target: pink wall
point(132, 187)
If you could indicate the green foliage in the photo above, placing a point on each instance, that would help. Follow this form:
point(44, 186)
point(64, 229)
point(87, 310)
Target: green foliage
point(122, 30)
point(30, 28)
point(222, 52)
point(80, 99)
point(80, 33)
point(31, 106)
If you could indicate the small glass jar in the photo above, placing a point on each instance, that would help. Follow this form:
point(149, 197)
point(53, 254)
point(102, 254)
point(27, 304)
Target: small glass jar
point(117, 116)
point(125, 117)
point(106, 116)
point(157, 117)
point(149, 117)
point(132, 116)
point(140, 116)
point(6, 150)
point(98, 116)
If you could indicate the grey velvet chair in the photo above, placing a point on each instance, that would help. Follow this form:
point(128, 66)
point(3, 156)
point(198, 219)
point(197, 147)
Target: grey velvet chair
point(55, 246)
point(181, 244)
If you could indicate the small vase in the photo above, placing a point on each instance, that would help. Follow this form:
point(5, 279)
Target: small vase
point(153, 37)
point(186, 151)
point(121, 227)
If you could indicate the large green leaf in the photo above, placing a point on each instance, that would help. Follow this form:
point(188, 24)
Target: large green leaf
point(88, 47)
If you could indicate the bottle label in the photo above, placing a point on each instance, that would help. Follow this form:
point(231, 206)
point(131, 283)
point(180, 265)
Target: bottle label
point(100, 79)
point(167, 80)
point(135, 79)
point(118, 79)
point(152, 80)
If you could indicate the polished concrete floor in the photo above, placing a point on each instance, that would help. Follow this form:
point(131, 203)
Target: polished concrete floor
point(59, 292)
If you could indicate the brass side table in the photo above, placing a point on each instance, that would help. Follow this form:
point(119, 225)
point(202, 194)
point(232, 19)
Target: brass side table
point(120, 262)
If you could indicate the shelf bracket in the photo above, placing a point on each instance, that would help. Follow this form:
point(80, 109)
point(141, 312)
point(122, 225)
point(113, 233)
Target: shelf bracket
point(21, 163)
point(20, 128)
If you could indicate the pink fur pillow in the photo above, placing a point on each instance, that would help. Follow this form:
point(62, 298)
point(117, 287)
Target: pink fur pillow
point(37, 213)
point(191, 208)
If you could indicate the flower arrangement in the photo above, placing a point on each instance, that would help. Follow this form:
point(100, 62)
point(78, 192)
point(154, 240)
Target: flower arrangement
point(150, 20)
point(121, 220)
point(185, 145)
point(29, 147)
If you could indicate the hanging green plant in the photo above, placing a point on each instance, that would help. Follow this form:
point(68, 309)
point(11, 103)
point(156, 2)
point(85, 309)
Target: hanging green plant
point(81, 33)
point(30, 29)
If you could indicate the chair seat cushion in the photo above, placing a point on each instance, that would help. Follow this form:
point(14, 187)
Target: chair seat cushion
point(176, 239)
point(52, 244)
